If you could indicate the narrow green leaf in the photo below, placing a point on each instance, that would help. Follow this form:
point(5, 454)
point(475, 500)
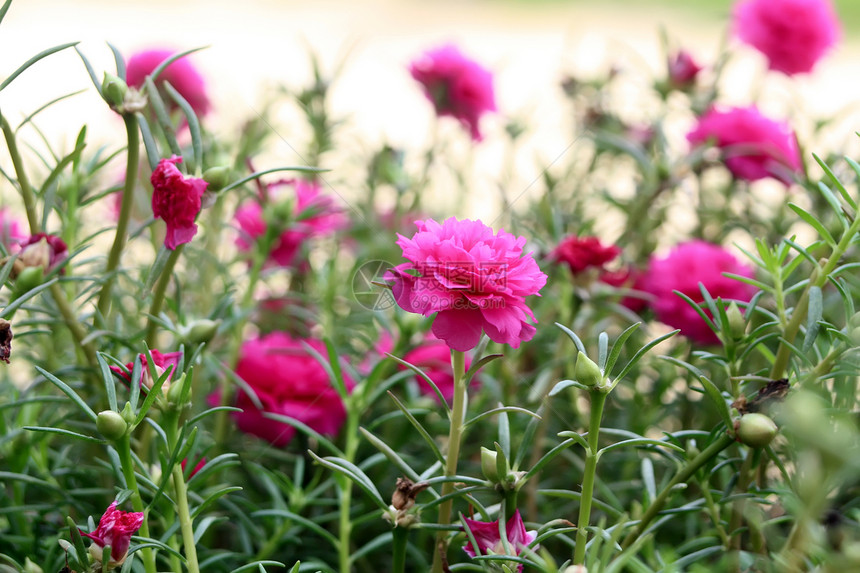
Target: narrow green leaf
point(33, 60)
point(564, 385)
point(254, 564)
point(120, 61)
point(618, 346)
point(42, 108)
point(814, 223)
point(193, 125)
point(305, 429)
point(550, 455)
point(307, 523)
point(67, 390)
point(16, 304)
point(153, 155)
point(439, 396)
point(167, 129)
point(354, 473)
point(642, 442)
point(77, 539)
point(160, 67)
point(107, 378)
point(258, 174)
point(846, 196)
point(390, 454)
point(602, 351)
point(813, 317)
point(5, 9)
point(66, 433)
point(641, 352)
point(500, 410)
point(648, 479)
point(421, 430)
point(573, 337)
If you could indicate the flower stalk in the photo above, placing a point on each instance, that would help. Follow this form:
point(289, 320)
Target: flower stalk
point(158, 296)
point(598, 400)
point(123, 446)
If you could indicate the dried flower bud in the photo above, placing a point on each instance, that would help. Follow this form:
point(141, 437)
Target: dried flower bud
point(404, 493)
point(586, 372)
point(756, 430)
point(111, 424)
point(5, 340)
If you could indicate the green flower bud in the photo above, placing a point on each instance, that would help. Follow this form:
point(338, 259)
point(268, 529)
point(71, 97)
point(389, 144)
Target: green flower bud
point(174, 393)
point(201, 331)
point(737, 323)
point(30, 567)
point(488, 464)
point(217, 177)
point(756, 430)
point(128, 414)
point(111, 424)
point(114, 90)
point(586, 372)
point(28, 279)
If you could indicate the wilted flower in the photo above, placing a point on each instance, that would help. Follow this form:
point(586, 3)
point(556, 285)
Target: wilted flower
point(683, 269)
point(792, 34)
point(312, 214)
point(176, 199)
point(682, 69)
point(163, 362)
point(489, 539)
point(115, 529)
point(457, 86)
point(288, 380)
point(753, 145)
point(433, 357)
point(583, 253)
point(41, 251)
point(181, 74)
point(473, 278)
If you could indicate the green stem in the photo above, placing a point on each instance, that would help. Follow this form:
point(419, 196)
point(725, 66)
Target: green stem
point(686, 473)
point(79, 333)
point(744, 479)
point(185, 524)
point(27, 194)
point(400, 535)
point(127, 464)
point(119, 240)
point(458, 412)
point(345, 523)
point(714, 510)
point(598, 399)
point(158, 296)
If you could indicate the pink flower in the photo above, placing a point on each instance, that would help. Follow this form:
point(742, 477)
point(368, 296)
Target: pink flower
point(115, 529)
point(164, 362)
point(176, 199)
point(683, 269)
point(289, 381)
point(456, 85)
point(792, 34)
point(181, 74)
point(753, 146)
point(313, 214)
point(683, 70)
point(583, 253)
point(472, 278)
point(433, 357)
point(42, 250)
point(489, 539)
point(195, 469)
point(11, 232)
point(628, 278)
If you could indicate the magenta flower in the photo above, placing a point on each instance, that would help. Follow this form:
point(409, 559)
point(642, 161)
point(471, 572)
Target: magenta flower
point(472, 278)
point(287, 380)
point(583, 253)
point(314, 214)
point(163, 362)
point(792, 34)
point(753, 146)
point(433, 357)
point(176, 199)
point(11, 231)
point(683, 269)
point(181, 74)
point(489, 538)
point(683, 70)
point(115, 529)
point(457, 86)
point(199, 466)
point(42, 250)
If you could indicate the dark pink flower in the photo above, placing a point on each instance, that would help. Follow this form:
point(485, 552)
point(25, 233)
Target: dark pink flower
point(313, 214)
point(753, 145)
point(181, 74)
point(456, 85)
point(176, 199)
point(195, 469)
point(433, 357)
point(627, 278)
point(683, 269)
point(792, 34)
point(11, 231)
point(489, 538)
point(115, 529)
point(683, 70)
point(164, 362)
point(475, 280)
point(583, 253)
point(42, 250)
point(289, 381)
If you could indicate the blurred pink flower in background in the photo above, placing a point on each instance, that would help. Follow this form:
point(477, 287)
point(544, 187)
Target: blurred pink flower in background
point(489, 539)
point(753, 145)
point(792, 34)
point(115, 529)
point(473, 278)
point(687, 265)
point(181, 74)
point(456, 85)
point(11, 230)
point(163, 362)
point(628, 277)
point(583, 253)
point(313, 214)
point(42, 250)
point(682, 70)
point(433, 357)
point(289, 381)
point(177, 200)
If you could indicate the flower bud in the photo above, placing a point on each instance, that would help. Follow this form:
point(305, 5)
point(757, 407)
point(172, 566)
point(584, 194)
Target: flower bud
point(28, 279)
point(114, 90)
point(202, 331)
point(756, 430)
point(174, 393)
point(217, 177)
point(128, 414)
point(488, 464)
point(737, 323)
point(111, 424)
point(586, 372)
point(37, 254)
point(30, 567)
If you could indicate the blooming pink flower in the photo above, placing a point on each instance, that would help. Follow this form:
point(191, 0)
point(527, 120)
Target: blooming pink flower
point(792, 34)
point(115, 529)
point(314, 214)
point(11, 231)
point(472, 278)
point(433, 357)
point(287, 380)
point(683, 269)
point(489, 538)
point(456, 85)
point(629, 278)
point(42, 250)
point(683, 70)
point(583, 253)
point(181, 74)
point(176, 199)
point(753, 145)
point(195, 469)
point(164, 362)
